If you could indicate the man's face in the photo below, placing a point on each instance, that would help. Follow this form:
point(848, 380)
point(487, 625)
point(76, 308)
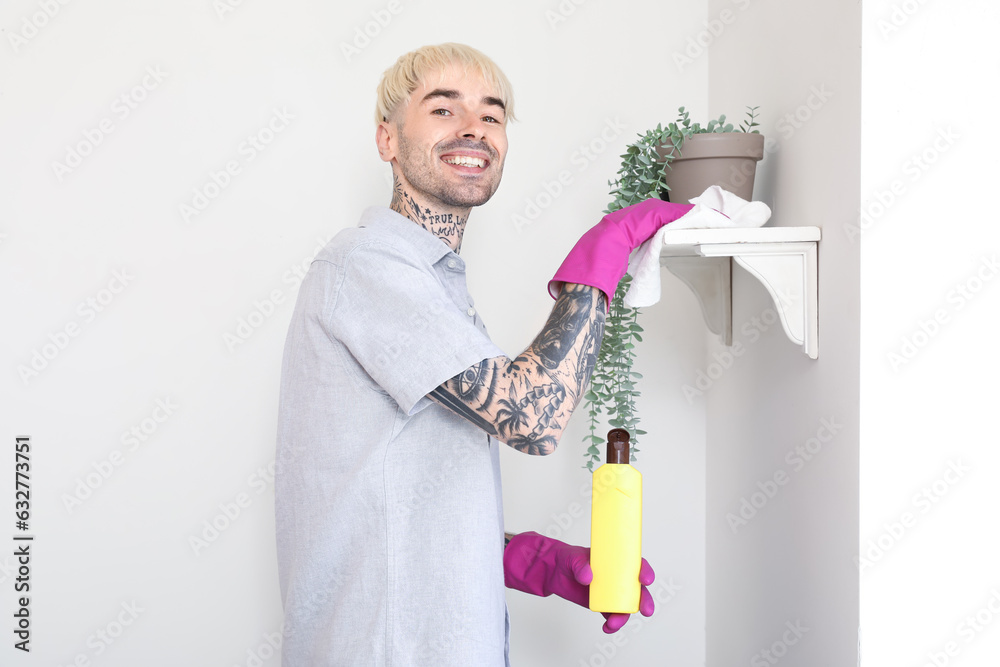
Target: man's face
point(449, 141)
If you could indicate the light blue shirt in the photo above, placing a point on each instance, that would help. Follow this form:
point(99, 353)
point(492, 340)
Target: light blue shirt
point(388, 507)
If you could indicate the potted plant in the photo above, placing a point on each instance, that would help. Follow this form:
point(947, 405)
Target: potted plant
point(649, 169)
point(711, 155)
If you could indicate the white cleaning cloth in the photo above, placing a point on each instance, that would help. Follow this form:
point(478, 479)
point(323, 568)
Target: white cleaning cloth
point(714, 208)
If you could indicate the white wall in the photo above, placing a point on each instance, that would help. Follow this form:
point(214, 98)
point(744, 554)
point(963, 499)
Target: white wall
point(782, 527)
point(930, 589)
point(277, 70)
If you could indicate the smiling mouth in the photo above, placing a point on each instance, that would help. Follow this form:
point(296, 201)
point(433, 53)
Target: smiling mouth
point(465, 161)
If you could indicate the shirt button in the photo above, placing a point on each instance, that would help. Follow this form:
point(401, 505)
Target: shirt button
point(471, 311)
point(452, 264)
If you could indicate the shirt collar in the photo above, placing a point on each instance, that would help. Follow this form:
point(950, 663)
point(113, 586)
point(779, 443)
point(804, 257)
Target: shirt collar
point(429, 246)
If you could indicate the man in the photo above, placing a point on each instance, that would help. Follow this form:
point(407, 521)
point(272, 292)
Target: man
point(394, 400)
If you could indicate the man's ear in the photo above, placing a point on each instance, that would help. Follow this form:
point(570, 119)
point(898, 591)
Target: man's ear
point(385, 140)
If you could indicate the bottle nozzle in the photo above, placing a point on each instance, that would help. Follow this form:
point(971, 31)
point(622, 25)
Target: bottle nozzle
point(618, 446)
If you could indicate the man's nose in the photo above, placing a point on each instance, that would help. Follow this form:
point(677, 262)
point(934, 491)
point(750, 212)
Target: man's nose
point(473, 127)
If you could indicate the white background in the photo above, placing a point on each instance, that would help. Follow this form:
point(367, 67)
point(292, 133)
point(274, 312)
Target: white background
point(591, 81)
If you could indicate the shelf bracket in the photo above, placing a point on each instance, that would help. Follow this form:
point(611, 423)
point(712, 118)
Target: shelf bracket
point(783, 259)
point(710, 278)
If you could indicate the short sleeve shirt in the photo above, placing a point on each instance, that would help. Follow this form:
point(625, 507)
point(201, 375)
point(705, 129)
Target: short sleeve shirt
point(389, 516)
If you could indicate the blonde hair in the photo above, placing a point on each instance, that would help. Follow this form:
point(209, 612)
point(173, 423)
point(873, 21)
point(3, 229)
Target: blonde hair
point(408, 72)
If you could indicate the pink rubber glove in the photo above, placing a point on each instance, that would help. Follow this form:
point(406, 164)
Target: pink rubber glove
point(539, 565)
point(600, 257)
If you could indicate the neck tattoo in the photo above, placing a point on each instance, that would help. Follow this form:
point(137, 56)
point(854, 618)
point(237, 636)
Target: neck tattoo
point(449, 227)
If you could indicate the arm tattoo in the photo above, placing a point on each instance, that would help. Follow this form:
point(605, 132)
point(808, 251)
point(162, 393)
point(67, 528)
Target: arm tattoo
point(569, 317)
point(466, 390)
point(527, 402)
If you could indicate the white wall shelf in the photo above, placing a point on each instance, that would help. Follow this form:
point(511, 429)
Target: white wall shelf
point(782, 258)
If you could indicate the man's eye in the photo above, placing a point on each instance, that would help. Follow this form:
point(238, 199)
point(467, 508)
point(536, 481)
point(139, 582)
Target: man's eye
point(491, 119)
point(441, 112)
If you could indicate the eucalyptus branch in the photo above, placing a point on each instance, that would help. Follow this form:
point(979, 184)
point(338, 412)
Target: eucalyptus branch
point(642, 175)
point(612, 384)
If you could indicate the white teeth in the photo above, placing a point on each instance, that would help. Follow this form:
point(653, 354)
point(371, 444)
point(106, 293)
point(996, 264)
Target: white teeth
point(466, 161)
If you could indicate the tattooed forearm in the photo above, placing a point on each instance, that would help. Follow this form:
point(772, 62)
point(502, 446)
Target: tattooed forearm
point(471, 392)
point(569, 318)
point(449, 400)
point(591, 348)
point(527, 401)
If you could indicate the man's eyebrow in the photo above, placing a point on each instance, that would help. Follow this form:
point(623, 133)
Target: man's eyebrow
point(451, 94)
point(496, 102)
point(441, 92)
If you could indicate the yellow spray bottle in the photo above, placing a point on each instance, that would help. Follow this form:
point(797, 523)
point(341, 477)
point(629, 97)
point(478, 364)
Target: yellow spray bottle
point(616, 530)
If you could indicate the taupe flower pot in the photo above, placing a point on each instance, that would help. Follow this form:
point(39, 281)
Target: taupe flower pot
point(726, 159)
